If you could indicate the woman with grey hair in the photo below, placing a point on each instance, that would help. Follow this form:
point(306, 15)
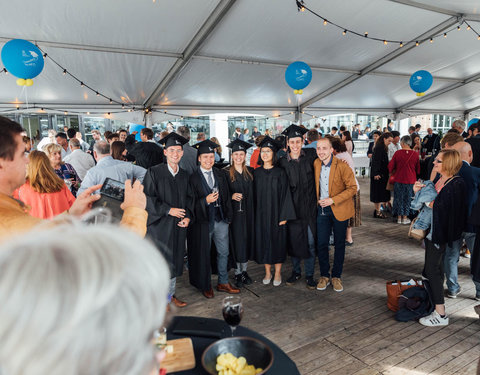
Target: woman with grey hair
point(404, 167)
point(88, 305)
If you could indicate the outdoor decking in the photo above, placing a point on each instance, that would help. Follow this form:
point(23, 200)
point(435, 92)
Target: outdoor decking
point(353, 332)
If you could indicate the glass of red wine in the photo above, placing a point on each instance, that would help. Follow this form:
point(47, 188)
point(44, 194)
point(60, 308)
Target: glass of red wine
point(232, 309)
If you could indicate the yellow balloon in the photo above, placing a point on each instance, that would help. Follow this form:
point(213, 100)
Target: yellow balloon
point(28, 82)
point(21, 82)
point(295, 92)
point(300, 92)
point(420, 93)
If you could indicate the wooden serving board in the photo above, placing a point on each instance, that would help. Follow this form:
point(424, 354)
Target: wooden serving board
point(182, 357)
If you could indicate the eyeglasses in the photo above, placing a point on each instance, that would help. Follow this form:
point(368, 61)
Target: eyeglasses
point(437, 161)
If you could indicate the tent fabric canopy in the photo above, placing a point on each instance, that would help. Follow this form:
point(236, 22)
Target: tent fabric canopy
point(199, 57)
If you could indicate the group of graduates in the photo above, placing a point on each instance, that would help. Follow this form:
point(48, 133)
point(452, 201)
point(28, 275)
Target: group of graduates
point(225, 217)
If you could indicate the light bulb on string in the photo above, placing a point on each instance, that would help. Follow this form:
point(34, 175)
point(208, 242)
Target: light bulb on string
point(344, 32)
point(401, 44)
point(64, 71)
point(431, 40)
point(325, 22)
point(417, 44)
point(458, 27)
point(111, 101)
point(468, 27)
point(82, 84)
point(445, 35)
point(366, 34)
point(385, 42)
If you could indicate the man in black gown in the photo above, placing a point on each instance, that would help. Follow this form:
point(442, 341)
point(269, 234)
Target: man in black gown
point(213, 214)
point(298, 164)
point(147, 153)
point(170, 208)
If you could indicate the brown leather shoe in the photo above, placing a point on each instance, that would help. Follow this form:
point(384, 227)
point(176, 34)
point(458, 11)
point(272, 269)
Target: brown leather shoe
point(208, 293)
point(178, 303)
point(227, 288)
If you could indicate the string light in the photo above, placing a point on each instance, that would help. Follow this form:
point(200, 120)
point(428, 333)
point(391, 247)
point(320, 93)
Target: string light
point(64, 71)
point(431, 40)
point(96, 92)
point(417, 44)
point(111, 101)
point(82, 84)
point(366, 34)
point(325, 23)
point(445, 35)
point(468, 27)
point(401, 44)
point(385, 42)
point(66, 113)
point(458, 27)
point(344, 32)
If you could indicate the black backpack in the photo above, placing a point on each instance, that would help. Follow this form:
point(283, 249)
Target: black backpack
point(414, 303)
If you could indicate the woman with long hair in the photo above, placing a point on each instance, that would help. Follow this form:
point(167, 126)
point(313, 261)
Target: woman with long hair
point(448, 222)
point(63, 170)
point(273, 208)
point(405, 165)
point(218, 150)
point(45, 192)
point(118, 150)
point(242, 227)
point(416, 143)
point(379, 174)
point(347, 138)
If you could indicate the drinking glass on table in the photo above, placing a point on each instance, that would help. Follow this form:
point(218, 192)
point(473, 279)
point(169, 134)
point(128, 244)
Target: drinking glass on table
point(215, 191)
point(232, 310)
point(323, 212)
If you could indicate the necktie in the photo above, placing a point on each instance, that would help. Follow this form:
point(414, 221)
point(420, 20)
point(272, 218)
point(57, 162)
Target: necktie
point(210, 179)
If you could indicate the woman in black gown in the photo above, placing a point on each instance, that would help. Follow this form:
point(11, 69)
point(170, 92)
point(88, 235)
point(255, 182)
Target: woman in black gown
point(379, 174)
point(242, 227)
point(273, 208)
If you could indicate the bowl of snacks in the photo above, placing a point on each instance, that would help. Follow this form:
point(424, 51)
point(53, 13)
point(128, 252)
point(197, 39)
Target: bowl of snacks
point(237, 356)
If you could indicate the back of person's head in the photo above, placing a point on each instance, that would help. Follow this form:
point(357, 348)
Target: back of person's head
point(62, 135)
point(52, 148)
point(164, 134)
point(106, 134)
point(52, 133)
point(337, 144)
point(313, 135)
point(259, 140)
point(406, 140)
point(86, 305)
point(102, 148)
point(465, 150)
point(451, 162)
point(343, 128)
point(184, 132)
point(418, 127)
point(71, 132)
point(411, 128)
point(117, 148)
point(9, 130)
point(281, 140)
point(26, 139)
point(40, 174)
point(74, 143)
point(334, 128)
point(112, 136)
point(147, 132)
point(450, 139)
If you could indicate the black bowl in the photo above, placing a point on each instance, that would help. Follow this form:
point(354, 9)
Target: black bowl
point(255, 352)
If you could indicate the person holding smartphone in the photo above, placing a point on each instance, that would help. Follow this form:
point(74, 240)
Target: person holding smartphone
point(213, 214)
point(170, 208)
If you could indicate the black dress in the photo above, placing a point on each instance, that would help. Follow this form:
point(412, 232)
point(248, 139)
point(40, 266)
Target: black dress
point(163, 192)
point(378, 188)
point(302, 186)
point(273, 204)
point(242, 228)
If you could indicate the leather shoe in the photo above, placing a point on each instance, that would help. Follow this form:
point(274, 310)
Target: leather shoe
point(227, 288)
point(208, 293)
point(177, 302)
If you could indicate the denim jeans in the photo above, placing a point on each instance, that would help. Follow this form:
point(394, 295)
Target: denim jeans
point(241, 267)
point(452, 255)
point(173, 286)
point(219, 234)
point(309, 262)
point(325, 223)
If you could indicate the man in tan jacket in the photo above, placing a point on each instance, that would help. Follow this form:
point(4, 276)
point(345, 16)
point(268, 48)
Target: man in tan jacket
point(335, 186)
point(14, 217)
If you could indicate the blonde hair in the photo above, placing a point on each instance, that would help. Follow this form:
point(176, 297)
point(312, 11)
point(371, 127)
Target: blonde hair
point(51, 148)
point(88, 305)
point(219, 148)
point(451, 162)
point(40, 174)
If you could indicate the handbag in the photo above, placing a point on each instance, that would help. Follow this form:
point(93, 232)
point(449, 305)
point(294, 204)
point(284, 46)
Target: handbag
point(395, 290)
point(416, 233)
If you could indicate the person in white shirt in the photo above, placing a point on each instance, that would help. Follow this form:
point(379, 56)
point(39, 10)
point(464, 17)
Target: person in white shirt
point(394, 145)
point(62, 140)
point(83, 145)
point(79, 159)
point(47, 140)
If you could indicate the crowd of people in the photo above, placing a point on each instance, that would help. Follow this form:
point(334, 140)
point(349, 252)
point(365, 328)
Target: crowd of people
point(293, 195)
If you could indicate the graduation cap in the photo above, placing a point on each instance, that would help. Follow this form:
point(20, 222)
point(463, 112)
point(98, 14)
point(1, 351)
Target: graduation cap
point(270, 143)
point(294, 131)
point(239, 145)
point(206, 147)
point(173, 139)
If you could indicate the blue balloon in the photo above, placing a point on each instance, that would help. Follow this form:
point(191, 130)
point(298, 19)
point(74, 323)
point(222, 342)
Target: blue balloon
point(473, 121)
point(136, 128)
point(22, 58)
point(421, 81)
point(298, 75)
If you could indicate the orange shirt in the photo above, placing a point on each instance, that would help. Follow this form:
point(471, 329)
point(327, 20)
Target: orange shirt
point(254, 158)
point(45, 205)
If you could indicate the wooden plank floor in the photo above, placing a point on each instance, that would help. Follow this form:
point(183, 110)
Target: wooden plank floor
point(353, 332)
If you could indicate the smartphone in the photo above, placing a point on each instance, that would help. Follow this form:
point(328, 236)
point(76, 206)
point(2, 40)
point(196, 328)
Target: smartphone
point(112, 195)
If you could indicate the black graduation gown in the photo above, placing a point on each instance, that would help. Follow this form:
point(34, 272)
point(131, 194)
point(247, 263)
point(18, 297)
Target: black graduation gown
point(475, 221)
point(163, 192)
point(198, 237)
point(301, 179)
point(378, 188)
point(273, 204)
point(242, 228)
point(147, 154)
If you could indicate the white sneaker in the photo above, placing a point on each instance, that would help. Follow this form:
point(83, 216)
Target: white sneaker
point(434, 320)
point(277, 283)
point(406, 221)
point(399, 220)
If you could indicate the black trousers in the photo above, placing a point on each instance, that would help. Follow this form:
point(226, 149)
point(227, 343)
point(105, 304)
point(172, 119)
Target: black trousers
point(433, 270)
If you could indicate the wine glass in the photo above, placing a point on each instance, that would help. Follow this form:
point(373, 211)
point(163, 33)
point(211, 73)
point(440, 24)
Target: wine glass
point(232, 310)
point(160, 338)
point(214, 191)
point(240, 204)
point(323, 212)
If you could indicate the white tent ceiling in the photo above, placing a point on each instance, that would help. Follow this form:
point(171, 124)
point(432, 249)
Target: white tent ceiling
point(196, 57)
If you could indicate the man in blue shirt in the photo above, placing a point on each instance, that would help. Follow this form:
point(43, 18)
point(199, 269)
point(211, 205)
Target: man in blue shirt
point(312, 137)
point(109, 167)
